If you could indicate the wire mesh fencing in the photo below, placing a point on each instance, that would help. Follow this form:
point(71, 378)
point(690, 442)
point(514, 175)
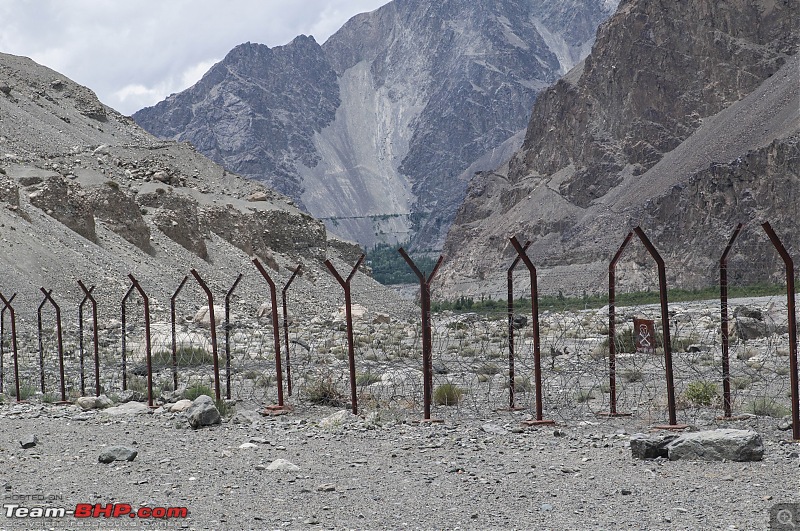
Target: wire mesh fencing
point(593, 360)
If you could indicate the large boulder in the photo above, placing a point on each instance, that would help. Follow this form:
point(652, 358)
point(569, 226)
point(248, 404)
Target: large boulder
point(716, 445)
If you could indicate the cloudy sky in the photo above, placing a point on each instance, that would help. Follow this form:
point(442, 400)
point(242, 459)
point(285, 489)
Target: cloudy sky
point(135, 53)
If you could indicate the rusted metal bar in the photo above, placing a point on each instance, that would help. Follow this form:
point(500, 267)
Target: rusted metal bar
point(537, 358)
point(228, 337)
point(662, 288)
point(12, 316)
point(723, 308)
point(173, 317)
point(89, 297)
point(2, 338)
point(427, 335)
point(792, 327)
point(59, 333)
point(510, 282)
point(148, 346)
point(286, 328)
point(349, 318)
point(41, 344)
point(124, 338)
point(213, 323)
point(612, 327)
point(276, 334)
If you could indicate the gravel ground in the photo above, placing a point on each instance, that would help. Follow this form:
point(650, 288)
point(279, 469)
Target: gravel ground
point(379, 473)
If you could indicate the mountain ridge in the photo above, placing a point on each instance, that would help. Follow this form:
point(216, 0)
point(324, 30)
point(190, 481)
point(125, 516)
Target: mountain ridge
point(424, 91)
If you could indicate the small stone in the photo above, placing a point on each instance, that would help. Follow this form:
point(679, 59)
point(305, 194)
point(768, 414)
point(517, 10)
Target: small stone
point(247, 446)
point(494, 429)
point(258, 440)
point(546, 507)
point(327, 487)
point(625, 492)
point(117, 453)
point(283, 465)
point(203, 412)
point(29, 441)
point(559, 433)
point(785, 425)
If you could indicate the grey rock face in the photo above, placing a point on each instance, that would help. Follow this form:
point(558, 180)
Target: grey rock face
point(650, 447)
point(117, 453)
point(374, 131)
point(716, 445)
point(203, 412)
point(614, 144)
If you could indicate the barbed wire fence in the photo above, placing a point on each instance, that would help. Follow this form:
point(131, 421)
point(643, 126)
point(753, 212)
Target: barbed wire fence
point(471, 370)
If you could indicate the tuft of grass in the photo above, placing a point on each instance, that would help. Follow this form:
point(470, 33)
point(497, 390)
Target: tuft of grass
point(186, 357)
point(196, 390)
point(700, 393)
point(584, 395)
point(741, 382)
point(632, 375)
point(25, 391)
point(448, 395)
point(766, 407)
point(367, 378)
point(324, 392)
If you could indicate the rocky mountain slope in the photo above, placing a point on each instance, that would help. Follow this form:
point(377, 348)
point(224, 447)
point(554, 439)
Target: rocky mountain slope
point(86, 194)
point(685, 120)
point(379, 130)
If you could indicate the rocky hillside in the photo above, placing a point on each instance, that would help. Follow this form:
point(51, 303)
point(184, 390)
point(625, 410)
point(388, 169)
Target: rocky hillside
point(86, 194)
point(379, 130)
point(683, 119)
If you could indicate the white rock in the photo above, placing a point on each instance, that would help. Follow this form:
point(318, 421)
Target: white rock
point(180, 405)
point(128, 408)
point(283, 465)
point(247, 446)
point(338, 419)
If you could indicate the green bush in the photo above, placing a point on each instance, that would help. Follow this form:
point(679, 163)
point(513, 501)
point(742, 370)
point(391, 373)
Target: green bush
point(448, 395)
point(700, 393)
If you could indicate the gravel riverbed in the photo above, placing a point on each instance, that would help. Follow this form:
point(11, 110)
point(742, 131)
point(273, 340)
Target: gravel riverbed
point(378, 472)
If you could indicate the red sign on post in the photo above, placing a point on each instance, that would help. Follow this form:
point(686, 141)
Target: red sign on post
point(645, 332)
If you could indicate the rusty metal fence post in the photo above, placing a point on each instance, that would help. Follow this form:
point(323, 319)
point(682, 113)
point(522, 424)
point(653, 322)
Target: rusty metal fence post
point(12, 317)
point(510, 283)
point(723, 309)
point(276, 336)
point(148, 346)
point(792, 327)
point(89, 297)
point(228, 336)
point(612, 330)
point(349, 319)
point(2, 339)
point(662, 289)
point(537, 358)
point(286, 328)
point(124, 339)
point(213, 323)
point(60, 339)
point(173, 317)
point(427, 335)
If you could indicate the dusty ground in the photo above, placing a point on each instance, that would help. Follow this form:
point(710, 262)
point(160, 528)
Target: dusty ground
point(378, 473)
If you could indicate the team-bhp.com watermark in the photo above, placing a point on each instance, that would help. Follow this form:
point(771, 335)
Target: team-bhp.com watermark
point(47, 507)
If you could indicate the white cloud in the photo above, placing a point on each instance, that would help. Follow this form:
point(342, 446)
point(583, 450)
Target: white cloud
point(133, 54)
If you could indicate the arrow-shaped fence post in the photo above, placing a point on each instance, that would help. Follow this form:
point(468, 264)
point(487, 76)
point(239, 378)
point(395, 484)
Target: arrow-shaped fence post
point(427, 336)
point(345, 283)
